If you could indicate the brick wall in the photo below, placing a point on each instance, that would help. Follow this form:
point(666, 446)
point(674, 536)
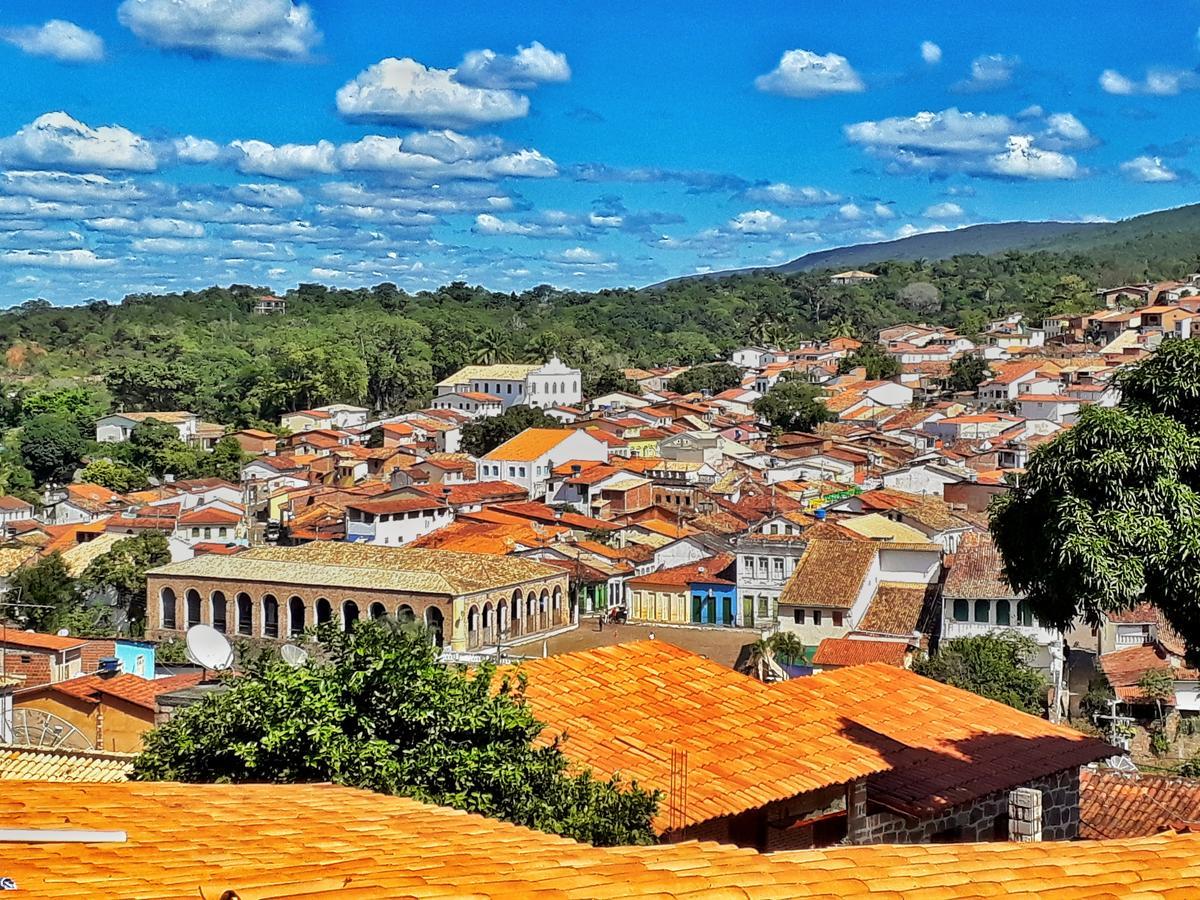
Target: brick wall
point(34, 667)
point(984, 819)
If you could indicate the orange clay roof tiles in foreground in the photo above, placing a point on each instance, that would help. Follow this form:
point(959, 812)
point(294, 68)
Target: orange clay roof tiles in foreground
point(626, 706)
point(321, 841)
point(944, 746)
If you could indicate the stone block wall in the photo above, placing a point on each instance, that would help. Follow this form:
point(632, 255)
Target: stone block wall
point(984, 819)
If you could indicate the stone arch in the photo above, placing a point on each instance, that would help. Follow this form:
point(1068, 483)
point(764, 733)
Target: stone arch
point(377, 610)
point(270, 616)
point(350, 614)
point(245, 613)
point(531, 616)
point(405, 614)
point(219, 611)
point(487, 624)
point(556, 604)
point(193, 603)
point(473, 627)
point(296, 616)
point(168, 602)
point(435, 622)
point(515, 618)
point(324, 611)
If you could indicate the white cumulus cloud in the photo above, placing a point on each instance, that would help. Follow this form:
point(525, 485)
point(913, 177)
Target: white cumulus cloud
point(783, 194)
point(191, 149)
point(757, 221)
point(1021, 159)
point(404, 90)
point(989, 73)
point(527, 68)
point(285, 160)
point(931, 52)
point(1159, 82)
point(948, 131)
point(803, 73)
point(249, 29)
point(56, 259)
point(57, 39)
point(943, 211)
point(1149, 169)
point(57, 141)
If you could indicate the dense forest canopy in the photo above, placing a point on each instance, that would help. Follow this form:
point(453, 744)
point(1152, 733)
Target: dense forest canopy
point(207, 351)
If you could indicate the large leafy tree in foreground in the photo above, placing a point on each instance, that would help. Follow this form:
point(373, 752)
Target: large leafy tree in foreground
point(1108, 514)
point(377, 711)
point(995, 666)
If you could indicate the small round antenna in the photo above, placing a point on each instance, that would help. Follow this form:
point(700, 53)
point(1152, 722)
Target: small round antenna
point(63, 632)
point(294, 656)
point(208, 648)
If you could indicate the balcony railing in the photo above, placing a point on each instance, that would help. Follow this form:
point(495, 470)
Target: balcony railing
point(953, 629)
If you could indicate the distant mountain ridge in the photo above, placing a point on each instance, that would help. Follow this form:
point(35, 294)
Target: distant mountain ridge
point(1181, 223)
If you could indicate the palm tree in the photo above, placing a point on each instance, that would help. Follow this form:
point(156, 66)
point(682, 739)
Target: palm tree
point(840, 327)
point(542, 346)
point(489, 347)
point(761, 659)
point(787, 647)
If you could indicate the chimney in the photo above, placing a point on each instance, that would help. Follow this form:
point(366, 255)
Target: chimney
point(1025, 815)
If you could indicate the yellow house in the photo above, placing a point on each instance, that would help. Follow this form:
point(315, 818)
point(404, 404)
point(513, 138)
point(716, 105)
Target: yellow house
point(691, 594)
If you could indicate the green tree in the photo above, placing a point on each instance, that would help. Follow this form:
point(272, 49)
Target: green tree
point(122, 572)
point(46, 592)
point(225, 460)
point(377, 711)
point(712, 378)
point(787, 647)
point(156, 447)
point(52, 447)
point(77, 404)
point(793, 405)
point(967, 372)
point(600, 380)
point(879, 365)
point(482, 435)
point(114, 475)
point(1107, 512)
point(995, 666)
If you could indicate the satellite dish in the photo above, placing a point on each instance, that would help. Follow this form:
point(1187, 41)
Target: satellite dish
point(208, 648)
point(294, 656)
point(63, 632)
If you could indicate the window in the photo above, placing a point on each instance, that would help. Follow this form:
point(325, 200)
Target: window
point(983, 611)
point(798, 616)
point(816, 617)
point(522, 471)
point(1003, 617)
point(837, 620)
point(1024, 614)
point(195, 532)
point(778, 567)
point(762, 567)
point(962, 610)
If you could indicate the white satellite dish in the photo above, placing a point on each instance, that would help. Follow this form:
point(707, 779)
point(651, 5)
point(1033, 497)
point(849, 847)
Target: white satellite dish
point(63, 632)
point(294, 656)
point(208, 648)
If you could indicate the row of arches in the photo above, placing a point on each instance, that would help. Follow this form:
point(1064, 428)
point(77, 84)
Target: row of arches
point(521, 614)
point(275, 619)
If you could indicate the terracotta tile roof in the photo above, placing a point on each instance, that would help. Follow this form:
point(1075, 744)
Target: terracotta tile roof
point(335, 843)
point(854, 651)
point(976, 572)
point(1125, 668)
point(682, 576)
point(392, 505)
point(213, 515)
point(338, 564)
point(1127, 805)
point(128, 687)
point(877, 526)
point(474, 492)
point(33, 641)
point(829, 574)
point(58, 764)
point(945, 746)
point(625, 707)
point(1142, 614)
point(530, 444)
point(540, 512)
point(899, 609)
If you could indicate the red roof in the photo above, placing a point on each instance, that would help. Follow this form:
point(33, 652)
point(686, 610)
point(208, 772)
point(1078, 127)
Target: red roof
point(211, 516)
point(389, 505)
point(852, 652)
point(32, 640)
point(690, 573)
point(131, 688)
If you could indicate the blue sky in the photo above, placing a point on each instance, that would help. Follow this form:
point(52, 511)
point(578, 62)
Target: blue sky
point(154, 145)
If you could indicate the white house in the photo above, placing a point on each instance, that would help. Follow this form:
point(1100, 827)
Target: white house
point(472, 403)
point(528, 459)
point(116, 427)
point(395, 520)
point(344, 415)
point(1049, 407)
point(550, 384)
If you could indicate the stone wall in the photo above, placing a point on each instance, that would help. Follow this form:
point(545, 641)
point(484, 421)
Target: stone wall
point(984, 819)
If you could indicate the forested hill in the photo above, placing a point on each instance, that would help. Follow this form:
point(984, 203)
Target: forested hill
point(208, 352)
point(1170, 232)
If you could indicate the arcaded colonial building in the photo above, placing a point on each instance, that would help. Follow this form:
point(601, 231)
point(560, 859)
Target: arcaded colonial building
point(468, 600)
